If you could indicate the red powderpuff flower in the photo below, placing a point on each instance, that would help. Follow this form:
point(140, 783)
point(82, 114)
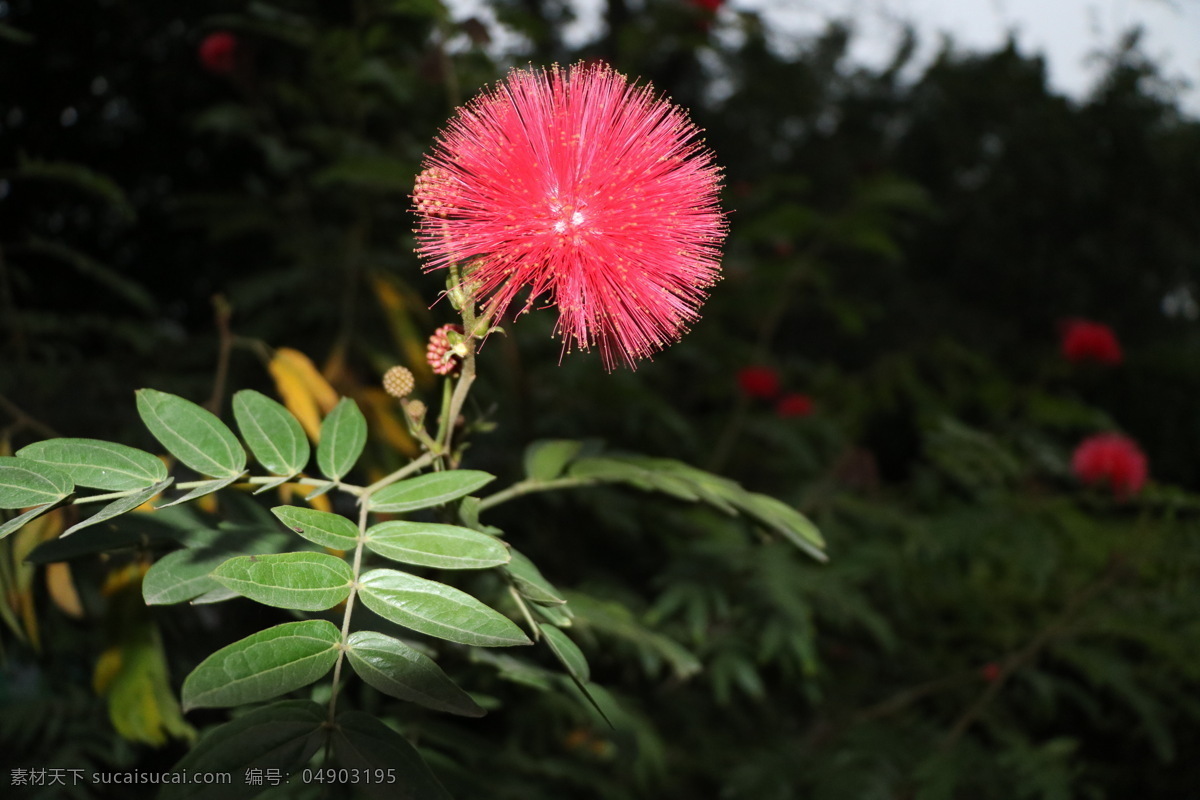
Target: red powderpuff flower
point(1113, 459)
point(585, 190)
point(794, 405)
point(218, 53)
point(1090, 341)
point(761, 382)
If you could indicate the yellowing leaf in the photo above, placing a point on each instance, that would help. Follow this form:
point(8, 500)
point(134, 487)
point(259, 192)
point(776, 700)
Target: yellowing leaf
point(304, 390)
point(384, 419)
point(409, 336)
point(62, 589)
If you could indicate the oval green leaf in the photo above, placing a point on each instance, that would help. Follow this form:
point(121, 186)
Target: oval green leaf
point(31, 483)
point(319, 527)
point(343, 435)
point(181, 575)
point(18, 521)
point(545, 460)
point(398, 670)
point(263, 665)
point(362, 742)
point(429, 490)
point(567, 652)
point(273, 434)
point(432, 545)
point(528, 580)
point(119, 506)
point(301, 581)
point(436, 609)
point(282, 736)
point(192, 434)
point(97, 464)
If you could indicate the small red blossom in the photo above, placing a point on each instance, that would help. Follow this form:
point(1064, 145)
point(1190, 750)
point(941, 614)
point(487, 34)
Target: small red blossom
point(794, 405)
point(218, 53)
point(759, 382)
point(1083, 340)
point(711, 6)
point(439, 352)
point(584, 189)
point(990, 672)
point(1113, 459)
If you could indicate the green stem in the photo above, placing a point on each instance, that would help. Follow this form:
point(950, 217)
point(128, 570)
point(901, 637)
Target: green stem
point(424, 460)
point(531, 486)
point(354, 585)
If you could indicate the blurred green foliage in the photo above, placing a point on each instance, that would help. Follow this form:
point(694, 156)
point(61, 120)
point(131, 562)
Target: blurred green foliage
point(904, 243)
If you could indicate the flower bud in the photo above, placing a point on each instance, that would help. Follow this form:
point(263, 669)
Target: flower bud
point(398, 382)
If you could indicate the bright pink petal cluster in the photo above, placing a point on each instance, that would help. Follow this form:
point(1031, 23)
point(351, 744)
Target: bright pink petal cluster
point(1083, 340)
point(440, 353)
point(584, 190)
point(1113, 459)
point(218, 53)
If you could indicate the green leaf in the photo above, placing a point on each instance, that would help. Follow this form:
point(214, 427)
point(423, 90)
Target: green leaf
point(207, 487)
point(282, 736)
point(567, 652)
point(429, 490)
point(398, 670)
point(529, 581)
point(263, 665)
point(432, 545)
point(786, 520)
point(362, 742)
point(192, 434)
point(320, 527)
point(16, 522)
point(182, 575)
point(546, 460)
point(31, 483)
point(343, 435)
point(301, 581)
point(97, 464)
point(436, 609)
point(80, 177)
point(273, 434)
point(120, 506)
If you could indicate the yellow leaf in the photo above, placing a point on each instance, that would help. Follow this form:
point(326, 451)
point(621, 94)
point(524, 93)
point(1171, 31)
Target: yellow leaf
point(304, 390)
point(62, 589)
point(107, 668)
point(383, 414)
point(406, 332)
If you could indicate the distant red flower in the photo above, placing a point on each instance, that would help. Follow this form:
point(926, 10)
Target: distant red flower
point(794, 405)
point(990, 672)
point(578, 186)
point(760, 382)
point(1090, 341)
point(1113, 459)
point(712, 6)
point(218, 53)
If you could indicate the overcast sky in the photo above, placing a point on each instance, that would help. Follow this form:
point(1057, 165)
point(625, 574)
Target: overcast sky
point(1066, 31)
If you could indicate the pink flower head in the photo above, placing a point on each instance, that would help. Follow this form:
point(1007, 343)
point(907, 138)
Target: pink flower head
point(760, 382)
point(439, 352)
point(218, 53)
point(794, 405)
point(585, 190)
point(1113, 459)
point(1090, 341)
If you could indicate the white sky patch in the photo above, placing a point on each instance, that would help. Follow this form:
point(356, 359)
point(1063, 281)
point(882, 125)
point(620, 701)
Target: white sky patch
point(1069, 33)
